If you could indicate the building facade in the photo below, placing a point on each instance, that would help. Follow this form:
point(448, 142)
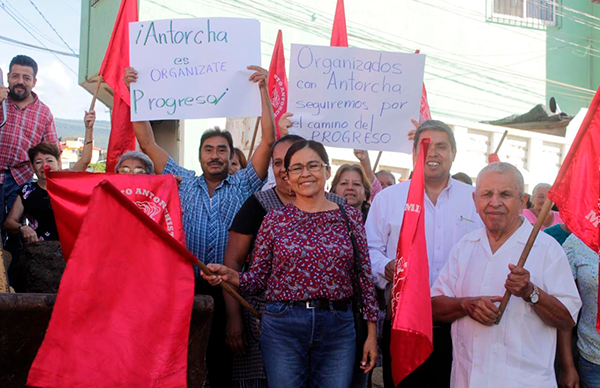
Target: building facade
point(485, 60)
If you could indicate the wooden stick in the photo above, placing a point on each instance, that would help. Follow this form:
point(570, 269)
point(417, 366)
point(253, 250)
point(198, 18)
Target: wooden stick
point(167, 238)
point(377, 161)
point(230, 290)
point(501, 141)
point(536, 229)
point(253, 138)
point(93, 104)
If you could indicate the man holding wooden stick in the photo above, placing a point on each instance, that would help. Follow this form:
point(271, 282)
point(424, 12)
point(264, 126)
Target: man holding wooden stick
point(520, 349)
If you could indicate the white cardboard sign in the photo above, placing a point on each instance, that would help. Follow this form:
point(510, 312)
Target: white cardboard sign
point(355, 98)
point(194, 68)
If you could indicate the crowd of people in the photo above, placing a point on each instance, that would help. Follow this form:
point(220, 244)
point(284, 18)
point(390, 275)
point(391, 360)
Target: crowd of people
point(309, 252)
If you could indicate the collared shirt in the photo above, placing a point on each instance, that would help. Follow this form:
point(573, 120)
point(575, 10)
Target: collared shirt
point(518, 352)
point(207, 219)
point(446, 222)
point(24, 129)
point(584, 264)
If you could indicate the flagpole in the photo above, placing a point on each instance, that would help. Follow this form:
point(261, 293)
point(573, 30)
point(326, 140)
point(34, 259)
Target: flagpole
point(176, 245)
point(253, 138)
point(93, 104)
point(501, 141)
point(536, 229)
point(377, 161)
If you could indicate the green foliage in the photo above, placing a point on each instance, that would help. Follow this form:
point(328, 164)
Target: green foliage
point(98, 167)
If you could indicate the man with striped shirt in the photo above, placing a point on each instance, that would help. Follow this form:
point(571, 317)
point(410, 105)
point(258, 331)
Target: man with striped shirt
point(210, 202)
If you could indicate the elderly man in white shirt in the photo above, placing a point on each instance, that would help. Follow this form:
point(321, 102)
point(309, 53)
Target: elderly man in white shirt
point(518, 352)
point(449, 215)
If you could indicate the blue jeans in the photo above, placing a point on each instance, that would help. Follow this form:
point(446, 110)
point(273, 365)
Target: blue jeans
point(589, 373)
point(307, 347)
point(8, 193)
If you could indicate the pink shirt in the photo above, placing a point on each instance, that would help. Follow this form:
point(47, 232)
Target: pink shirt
point(529, 216)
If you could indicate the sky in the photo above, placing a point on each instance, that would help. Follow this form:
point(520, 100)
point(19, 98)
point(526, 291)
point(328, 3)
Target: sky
point(57, 77)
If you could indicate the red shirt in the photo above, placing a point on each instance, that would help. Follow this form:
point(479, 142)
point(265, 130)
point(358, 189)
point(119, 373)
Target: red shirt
point(302, 256)
point(24, 129)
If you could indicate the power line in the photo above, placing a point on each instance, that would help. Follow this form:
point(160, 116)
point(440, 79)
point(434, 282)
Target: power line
point(51, 26)
point(32, 26)
point(17, 42)
point(35, 37)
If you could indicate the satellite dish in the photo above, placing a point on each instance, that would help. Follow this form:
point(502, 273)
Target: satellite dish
point(554, 108)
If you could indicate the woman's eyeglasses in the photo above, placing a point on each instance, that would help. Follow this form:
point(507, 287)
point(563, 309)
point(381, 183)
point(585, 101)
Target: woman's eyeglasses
point(127, 170)
point(296, 169)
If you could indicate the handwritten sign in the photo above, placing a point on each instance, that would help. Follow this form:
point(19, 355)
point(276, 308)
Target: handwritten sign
point(194, 68)
point(355, 98)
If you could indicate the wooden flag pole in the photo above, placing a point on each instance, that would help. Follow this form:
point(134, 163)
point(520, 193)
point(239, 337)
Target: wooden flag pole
point(501, 141)
point(253, 138)
point(174, 244)
point(536, 229)
point(377, 161)
point(93, 104)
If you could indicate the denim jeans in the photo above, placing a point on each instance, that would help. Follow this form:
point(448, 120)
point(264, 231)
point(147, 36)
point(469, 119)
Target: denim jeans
point(307, 347)
point(8, 193)
point(589, 373)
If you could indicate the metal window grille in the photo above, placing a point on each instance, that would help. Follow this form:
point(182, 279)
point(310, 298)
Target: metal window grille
point(537, 14)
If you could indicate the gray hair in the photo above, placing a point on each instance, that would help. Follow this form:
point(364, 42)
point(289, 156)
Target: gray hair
point(386, 172)
point(503, 168)
point(540, 186)
point(142, 157)
point(435, 125)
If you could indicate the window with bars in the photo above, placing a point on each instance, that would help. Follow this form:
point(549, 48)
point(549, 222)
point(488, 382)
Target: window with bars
point(537, 14)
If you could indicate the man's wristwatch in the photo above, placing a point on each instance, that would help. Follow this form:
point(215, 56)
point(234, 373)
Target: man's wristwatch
point(535, 295)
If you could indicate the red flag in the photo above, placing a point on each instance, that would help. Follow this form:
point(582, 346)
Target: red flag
point(576, 190)
point(412, 332)
point(116, 59)
point(339, 36)
point(70, 193)
point(424, 113)
point(123, 309)
point(278, 83)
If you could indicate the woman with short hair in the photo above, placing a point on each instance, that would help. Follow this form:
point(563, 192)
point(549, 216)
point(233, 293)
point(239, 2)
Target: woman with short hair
point(304, 263)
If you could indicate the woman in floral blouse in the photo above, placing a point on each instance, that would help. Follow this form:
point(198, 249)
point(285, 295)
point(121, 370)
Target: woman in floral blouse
point(304, 264)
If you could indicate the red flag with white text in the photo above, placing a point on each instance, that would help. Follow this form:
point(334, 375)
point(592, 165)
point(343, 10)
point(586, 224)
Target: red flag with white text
point(116, 59)
point(278, 83)
point(339, 35)
point(123, 309)
point(70, 193)
point(412, 332)
point(576, 190)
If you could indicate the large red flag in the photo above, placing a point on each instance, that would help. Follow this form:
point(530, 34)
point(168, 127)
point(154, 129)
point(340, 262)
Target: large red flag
point(339, 36)
point(412, 332)
point(278, 83)
point(113, 67)
point(123, 309)
point(70, 193)
point(576, 190)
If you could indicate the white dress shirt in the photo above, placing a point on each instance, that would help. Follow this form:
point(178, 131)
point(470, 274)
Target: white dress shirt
point(519, 352)
point(446, 222)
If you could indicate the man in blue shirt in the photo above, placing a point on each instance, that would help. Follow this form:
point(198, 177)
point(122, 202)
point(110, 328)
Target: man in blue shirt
point(210, 202)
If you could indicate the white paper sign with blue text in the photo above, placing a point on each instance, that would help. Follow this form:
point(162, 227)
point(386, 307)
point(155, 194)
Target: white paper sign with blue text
point(194, 68)
point(355, 98)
